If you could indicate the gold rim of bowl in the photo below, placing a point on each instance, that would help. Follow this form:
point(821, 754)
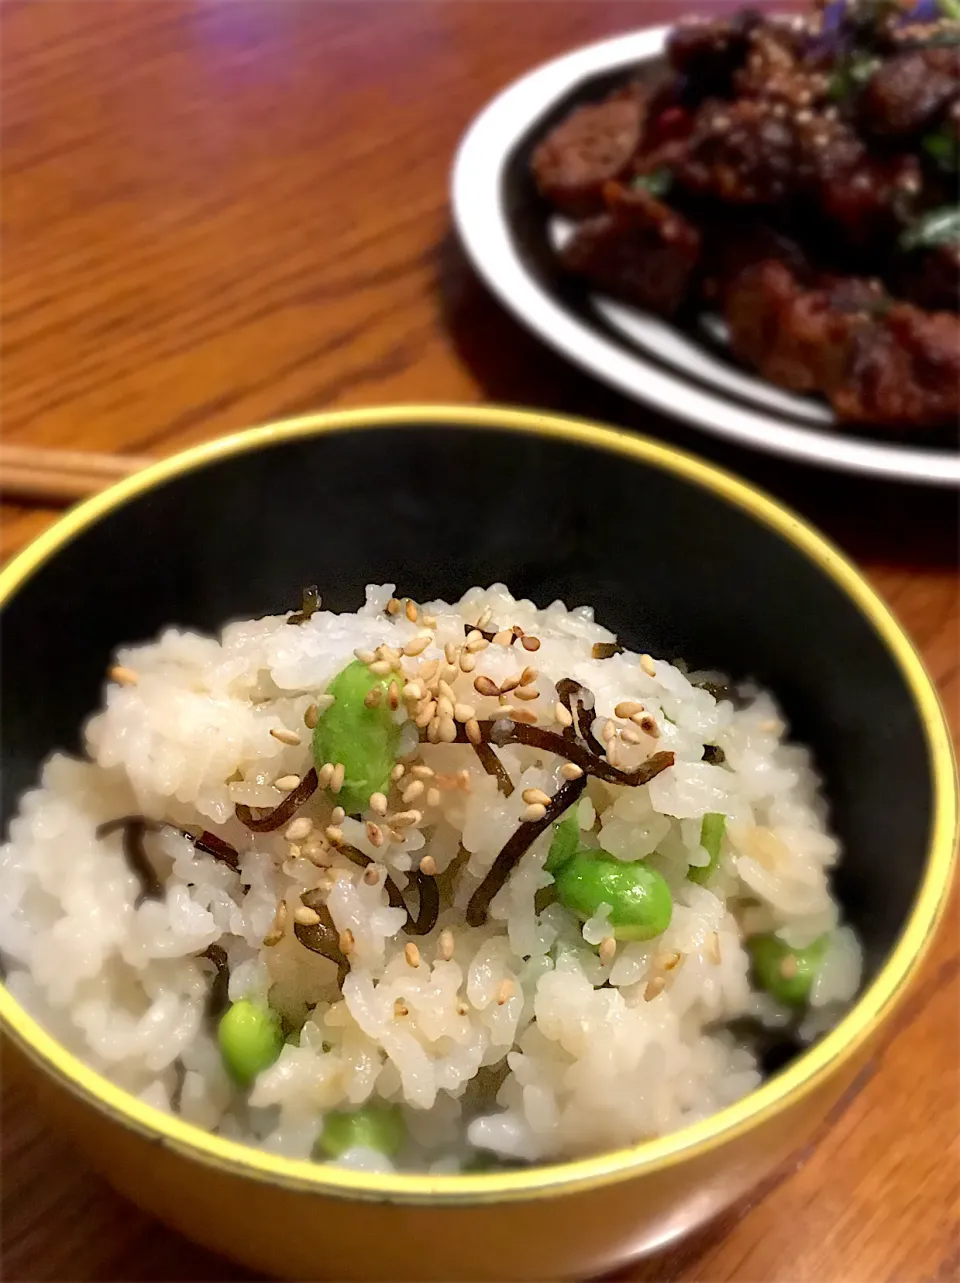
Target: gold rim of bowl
point(787, 1088)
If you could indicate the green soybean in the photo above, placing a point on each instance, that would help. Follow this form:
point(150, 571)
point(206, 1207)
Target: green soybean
point(658, 182)
point(565, 843)
point(364, 738)
point(640, 902)
point(711, 836)
point(374, 1126)
point(940, 226)
point(786, 974)
point(250, 1039)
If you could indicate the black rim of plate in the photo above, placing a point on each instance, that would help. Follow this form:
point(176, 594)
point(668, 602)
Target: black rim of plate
point(505, 228)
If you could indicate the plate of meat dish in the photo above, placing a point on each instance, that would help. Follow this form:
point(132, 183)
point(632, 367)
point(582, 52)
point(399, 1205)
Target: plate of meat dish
point(749, 222)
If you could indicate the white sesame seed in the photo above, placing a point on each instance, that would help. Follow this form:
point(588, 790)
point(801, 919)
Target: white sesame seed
point(286, 783)
point(336, 780)
point(337, 815)
point(380, 667)
point(509, 684)
point(428, 866)
point(444, 706)
point(397, 772)
point(324, 775)
point(123, 676)
point(607, 950)
point(275, 934)
point(472, 728)
point(627, 708)
point(447, 673)
point(306, 916)
point(378, 803)
point(654, 988)
point(393, 606)
point(648, 666)
point(629, 737)
point(536, 797)
point(418, 645)
point(570, 771)
point(608, 731)
point(311, 716)
point(468, 662)
point(485, 618)
point(525, 715)
point(374, 833)
point(412, 792)
point(428, 621)
point(412, 954)
point(371, 874)
point(333, 834)
point(526, 693)
point(317, 853)
point(404, 819)
point(451, 652)
point(562, 714)
point(475, 644)
point(613, 753)
point(426, 714)
point(298, 829)
point(536, 811)
point(411, 611)
point(433, 797)
point(429, 669)
point(365, 656)
point(445, 945)
point(713, 948)
point(421, 772)
point(433, 731)
point(464, 712)
point(347, 942)
point(373, 697)
point(528, 676)
point(447, 732)
point(284, 736)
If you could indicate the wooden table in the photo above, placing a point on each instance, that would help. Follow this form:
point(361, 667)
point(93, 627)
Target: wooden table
point(220, 213)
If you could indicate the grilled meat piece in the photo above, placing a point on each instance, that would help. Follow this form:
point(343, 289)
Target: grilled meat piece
point(592, 146)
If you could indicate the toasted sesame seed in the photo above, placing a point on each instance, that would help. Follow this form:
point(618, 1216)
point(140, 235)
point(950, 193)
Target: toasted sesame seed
point(789, 967)
point(387, 652)
point(426, 714)
point(400, 1008)
point(484, 685)
point(447, 732)
point(317, 853)
point(447, 673)
point(393, 696)
point(403, 819)
point(418, 645)
point(393, 606)
point(380, 667)
point(649, 727)
point(535, 796)
point(503, 638)
point(608, 731)
point(411, 611)
point(667, 961)
point(473, 635)
point(627, 708)
point(347, 942)
point(476, 643)
point(462, 1009)
point(397, 772)
point(536, 811)
point(284, 736)
point(526, 693)
point(451, 652)
point(505, 991)
point(286, 783)
point(412, 954)
point(371, 874)
point(654, 988)
point(433, 731)
point(562, 714)
point(472, 728)
point(713, 948)
point(509, 684)
point(336, 780)
point(528, 676)
point(337, 815)
point(397, 835)
point(444, 707)
point(412, 792)
point(445, 945)
point(324, 775)
point(530, 643)
point(275, 934)
point(428, 866)
point(629, 737)
point(373, 697)
point(485, 617)
point(648, 666)
point(613, 753)
point(607, 950)
point(374, 834)
point(306, 916)
point(464, 712)
point(525, 715)
point(570, 771)
point(311, 716)
point(429, 669)
point(446, 690)
point(413, 693)
point(298, 829)
point(468, 662)
point(422, 772)
point(378, 803)
point(293, 851)
point(333, 834)
point(433, 797)
point(365, 656)
point(428, 621)
point(123, 676)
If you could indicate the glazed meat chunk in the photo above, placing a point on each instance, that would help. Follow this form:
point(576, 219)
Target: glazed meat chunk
point(592, 146)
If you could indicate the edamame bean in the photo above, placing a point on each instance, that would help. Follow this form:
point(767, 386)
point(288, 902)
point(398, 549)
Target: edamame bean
point(250, 1039)
point(786, 973)
point(640, 900)
point(565, 842)
point(373, 1126)
point(363, 737)
point(711, 836)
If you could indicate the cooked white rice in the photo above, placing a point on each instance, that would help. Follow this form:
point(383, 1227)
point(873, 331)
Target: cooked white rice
point(546, 1066)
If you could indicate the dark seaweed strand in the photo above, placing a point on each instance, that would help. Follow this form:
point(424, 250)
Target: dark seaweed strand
point(713, 754)
point(516, 848)
point(210, 844)
point(429, 907)
point(217, 1000)
point(279, 816)
point(179, 1078)
point(566, 689)
point(493, 766)
point(134, 829)
point(606, 650)
point(309, 605)
point(322, 937)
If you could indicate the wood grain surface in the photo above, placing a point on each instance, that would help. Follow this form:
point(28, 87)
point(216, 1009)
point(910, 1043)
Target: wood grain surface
point(216, 213)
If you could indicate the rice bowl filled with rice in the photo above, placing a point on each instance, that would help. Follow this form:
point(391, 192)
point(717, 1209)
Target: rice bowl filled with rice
point(426, 886)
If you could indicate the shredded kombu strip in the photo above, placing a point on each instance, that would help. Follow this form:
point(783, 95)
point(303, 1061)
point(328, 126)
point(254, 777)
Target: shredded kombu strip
point(517, 846)
point(279, 816)
point(217, 1000)
point(322, 937)
point(309, 605)
point(713, 754)
point(606, 650)
point(493, 766)
point(429, 906)
point(136, 827)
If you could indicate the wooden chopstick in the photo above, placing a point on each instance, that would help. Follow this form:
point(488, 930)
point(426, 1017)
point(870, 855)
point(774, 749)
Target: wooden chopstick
point(61, 476)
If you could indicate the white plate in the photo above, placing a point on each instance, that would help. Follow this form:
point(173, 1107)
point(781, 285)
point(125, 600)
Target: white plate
point(509, 236)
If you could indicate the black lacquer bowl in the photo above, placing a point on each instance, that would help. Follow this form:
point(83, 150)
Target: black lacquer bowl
point(681, 560)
